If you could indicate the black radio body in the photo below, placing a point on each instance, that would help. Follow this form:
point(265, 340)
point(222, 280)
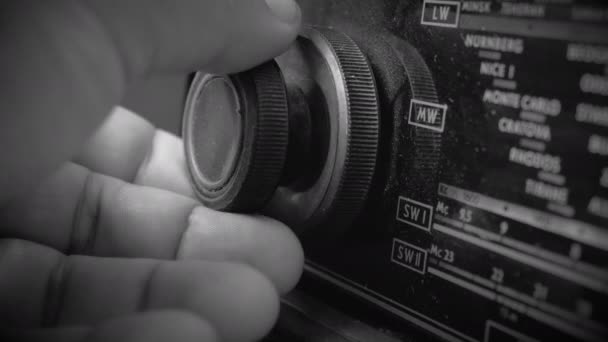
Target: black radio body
point(488, 212)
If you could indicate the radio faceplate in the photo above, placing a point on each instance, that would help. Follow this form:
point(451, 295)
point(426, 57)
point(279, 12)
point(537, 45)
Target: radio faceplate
point(489, 212)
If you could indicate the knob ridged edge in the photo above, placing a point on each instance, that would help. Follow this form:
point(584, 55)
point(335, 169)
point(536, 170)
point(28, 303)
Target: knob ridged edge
point(363, 128)
point(269, 151)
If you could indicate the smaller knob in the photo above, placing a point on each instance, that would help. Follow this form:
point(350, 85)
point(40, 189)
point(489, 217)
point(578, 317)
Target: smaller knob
point(235, 130)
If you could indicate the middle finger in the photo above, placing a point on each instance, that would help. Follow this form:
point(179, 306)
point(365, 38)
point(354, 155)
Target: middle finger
point(80, 212)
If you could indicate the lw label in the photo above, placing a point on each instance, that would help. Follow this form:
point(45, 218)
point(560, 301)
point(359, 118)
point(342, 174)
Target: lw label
point(427, 114)
point(409, 256)
point(441, 13)
point(414, 213)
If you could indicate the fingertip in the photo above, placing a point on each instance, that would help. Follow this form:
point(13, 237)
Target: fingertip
point(286, 257)
point(240, 303)
point(253, 305)
point(261, 242)
point(165, 166)
point(119, 146)
point(286, 10)
point(245, 304)
point(260, 30)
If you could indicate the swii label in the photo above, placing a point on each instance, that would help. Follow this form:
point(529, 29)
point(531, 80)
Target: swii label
point(409, 256)
point(427, 115)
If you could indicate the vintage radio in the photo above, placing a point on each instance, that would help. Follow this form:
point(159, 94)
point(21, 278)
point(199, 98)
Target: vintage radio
point(444, 162)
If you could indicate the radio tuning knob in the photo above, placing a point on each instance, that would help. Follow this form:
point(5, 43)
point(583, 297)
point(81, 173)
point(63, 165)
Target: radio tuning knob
point(235, 130)
point(295, 138)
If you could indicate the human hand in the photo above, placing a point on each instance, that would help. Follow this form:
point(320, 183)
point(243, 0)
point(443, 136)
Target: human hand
point(94, 208)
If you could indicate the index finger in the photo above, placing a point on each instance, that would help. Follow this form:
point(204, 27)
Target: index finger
point(66, 63)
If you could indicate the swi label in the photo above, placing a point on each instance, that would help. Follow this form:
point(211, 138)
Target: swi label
point(414, 213)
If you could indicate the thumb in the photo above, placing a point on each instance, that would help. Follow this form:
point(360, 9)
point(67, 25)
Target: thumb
point(65, 64)
point(215, 35)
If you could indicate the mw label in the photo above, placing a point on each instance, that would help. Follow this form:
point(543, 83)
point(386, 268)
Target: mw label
point(427, 114)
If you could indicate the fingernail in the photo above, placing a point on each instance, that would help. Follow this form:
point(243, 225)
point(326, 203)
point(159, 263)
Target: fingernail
point(286, 10)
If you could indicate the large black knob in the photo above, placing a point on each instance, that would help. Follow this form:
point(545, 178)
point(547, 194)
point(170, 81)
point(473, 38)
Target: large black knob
point(296, 138)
